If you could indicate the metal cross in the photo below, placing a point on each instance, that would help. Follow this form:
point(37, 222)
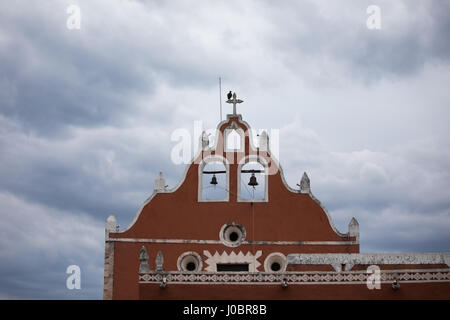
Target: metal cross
point(234, 101)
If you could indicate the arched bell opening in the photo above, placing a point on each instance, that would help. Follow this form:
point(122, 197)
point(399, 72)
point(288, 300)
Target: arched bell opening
point(252, 182)
point(213, 181)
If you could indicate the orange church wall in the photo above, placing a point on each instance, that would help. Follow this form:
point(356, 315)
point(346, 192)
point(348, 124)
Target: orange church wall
point(126, 262)
point(177, 215)
point(286, 217)
point(296, 292)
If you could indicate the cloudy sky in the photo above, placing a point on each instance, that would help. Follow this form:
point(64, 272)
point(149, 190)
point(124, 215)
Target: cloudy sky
point(86, 117)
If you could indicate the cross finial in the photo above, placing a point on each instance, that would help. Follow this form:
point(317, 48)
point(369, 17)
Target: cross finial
point(234, 101)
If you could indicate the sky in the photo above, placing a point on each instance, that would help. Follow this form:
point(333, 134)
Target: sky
point(86, 117)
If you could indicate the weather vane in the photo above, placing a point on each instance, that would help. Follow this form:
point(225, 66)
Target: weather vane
point(234, 101)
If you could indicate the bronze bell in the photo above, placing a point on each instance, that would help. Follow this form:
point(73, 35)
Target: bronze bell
point(213, 180)
point(253, 181)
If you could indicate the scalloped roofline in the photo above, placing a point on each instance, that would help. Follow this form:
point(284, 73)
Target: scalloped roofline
point(198, 153)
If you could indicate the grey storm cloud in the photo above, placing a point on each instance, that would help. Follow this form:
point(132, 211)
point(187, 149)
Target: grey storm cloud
point(86, 117)
point(413, 34)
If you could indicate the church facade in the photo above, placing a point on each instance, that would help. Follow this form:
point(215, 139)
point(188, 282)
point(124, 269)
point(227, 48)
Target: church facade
point(233, 229)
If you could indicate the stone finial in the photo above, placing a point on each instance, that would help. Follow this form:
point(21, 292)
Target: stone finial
point(143, 258)
point(160, 183)
point(205, 140)
point(111, 224)
point(263, 142)
point(353, 228)
point(159, 261)
point(304, 185)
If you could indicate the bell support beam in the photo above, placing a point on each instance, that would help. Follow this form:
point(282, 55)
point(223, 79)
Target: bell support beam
point(243, 171)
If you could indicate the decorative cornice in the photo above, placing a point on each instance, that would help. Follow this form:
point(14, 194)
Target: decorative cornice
point(257, 242)
point(351, 259)
point(297, 278)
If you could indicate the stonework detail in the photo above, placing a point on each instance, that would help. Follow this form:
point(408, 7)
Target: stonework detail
point(299, 278)
point(213, 259)
point(275, 257)
point(263, 142)
point(108, 276)
point(108, 271)
point(336, 259)
point(189, 257)
point(111, 225)
point(160, 183)
point(205, 140)
point(305, 186)
point(143, 258)
point(353, 229)
point(159, 261)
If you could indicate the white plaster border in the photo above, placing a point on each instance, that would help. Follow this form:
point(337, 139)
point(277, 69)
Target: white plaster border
point(298, 278)
point(350, 259)
point(247, 242)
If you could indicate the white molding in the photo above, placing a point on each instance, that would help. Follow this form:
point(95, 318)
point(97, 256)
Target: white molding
point(256, 242)
point(298, 278)
point(369, 258)
point(108, 271)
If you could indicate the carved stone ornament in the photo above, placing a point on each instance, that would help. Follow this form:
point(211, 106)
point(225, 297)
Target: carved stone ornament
point(205, 140)
point(160, 182)
point(305, 186)
point(159, 261)
point(143, 258)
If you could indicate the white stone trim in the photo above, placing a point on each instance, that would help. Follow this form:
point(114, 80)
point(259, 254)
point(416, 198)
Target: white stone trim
point(262, 161)
point(329, 218)
point(298, 278)
point(250, 242)
point(216, 258)
point(369, 258)
point(108, 275)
